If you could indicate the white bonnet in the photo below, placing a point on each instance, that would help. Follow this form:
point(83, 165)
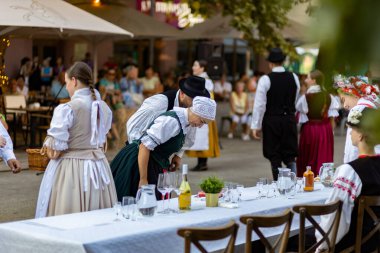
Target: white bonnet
point(204, 107)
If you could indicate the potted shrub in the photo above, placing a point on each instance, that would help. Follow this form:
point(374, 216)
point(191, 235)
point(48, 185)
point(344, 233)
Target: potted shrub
point(212, 186)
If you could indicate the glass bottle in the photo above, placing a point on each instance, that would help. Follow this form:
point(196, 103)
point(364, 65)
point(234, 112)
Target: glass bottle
point(184, 198)
point(308, 177)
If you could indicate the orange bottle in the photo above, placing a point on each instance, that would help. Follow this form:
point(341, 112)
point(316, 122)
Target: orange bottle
point(308, 178)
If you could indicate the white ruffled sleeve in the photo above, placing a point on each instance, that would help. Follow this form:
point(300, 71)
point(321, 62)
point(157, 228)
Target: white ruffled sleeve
point(163, 128)
point(303, 109)
point(7, 151)
point(334, 107)
point(58, 133)
point(347, 187)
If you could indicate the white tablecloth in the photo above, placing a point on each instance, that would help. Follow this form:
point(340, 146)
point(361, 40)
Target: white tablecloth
point(96, 231)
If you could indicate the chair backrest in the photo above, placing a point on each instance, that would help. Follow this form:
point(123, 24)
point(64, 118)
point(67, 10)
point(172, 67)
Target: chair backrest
point(195, 235)
point(255, 222)
point(14, 101)
point(306, 212)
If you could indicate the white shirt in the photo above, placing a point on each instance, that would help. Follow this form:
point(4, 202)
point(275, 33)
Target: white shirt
point(225, 88)
point(303, 107)
point(7, 151)
point(166, 127)
point(151, 108)
point(260, 103)
point(347, 187)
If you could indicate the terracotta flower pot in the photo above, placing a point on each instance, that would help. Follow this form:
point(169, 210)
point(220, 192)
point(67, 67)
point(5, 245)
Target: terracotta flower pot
point(212, 199)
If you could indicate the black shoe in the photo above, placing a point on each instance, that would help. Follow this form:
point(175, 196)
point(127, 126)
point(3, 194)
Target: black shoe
point(199, 168)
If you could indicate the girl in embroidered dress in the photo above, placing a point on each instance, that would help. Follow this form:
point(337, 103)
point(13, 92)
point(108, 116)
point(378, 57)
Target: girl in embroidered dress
point(141, 161)
point(359, 177)
point(356, 94)
point(316, 107)
point(78, 177)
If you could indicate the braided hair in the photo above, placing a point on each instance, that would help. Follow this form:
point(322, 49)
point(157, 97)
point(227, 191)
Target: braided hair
point(82, 72)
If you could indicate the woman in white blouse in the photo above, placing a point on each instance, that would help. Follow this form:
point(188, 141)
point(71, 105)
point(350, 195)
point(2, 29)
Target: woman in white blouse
point(78, 177)
point(141, 161)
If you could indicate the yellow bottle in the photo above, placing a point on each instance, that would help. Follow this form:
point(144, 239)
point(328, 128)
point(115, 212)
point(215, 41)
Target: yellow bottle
point(184, 198)
point(308, 178)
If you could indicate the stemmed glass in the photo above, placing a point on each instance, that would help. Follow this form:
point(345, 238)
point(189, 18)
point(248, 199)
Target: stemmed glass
point(169, 183)
point(162, 188)
point(176, 180)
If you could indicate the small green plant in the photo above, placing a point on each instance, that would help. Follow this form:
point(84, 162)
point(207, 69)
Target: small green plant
point(212, 184)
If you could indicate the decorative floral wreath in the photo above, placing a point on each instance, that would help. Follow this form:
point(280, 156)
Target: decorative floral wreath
point(357, 86)
point(354, 117)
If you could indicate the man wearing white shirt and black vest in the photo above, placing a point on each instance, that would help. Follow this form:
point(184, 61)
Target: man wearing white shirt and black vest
point(155, 105)
point(274, 113)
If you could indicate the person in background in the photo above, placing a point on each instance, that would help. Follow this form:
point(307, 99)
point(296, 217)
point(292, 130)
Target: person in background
point(360, 177)
point(88, 60)
point(317, 110)
point(21, 87)
point(25, 69)
point(46, 74)
point(206, 143)
point(239, 111)
point(131, 87)
point(59, 67)
point(170, 81)
point(78, 177)
point(35, 75)
point(12, 88)
point(58, 88)
point(151, 83)
point(222, 89)
point(274, 113)
point(140, 162)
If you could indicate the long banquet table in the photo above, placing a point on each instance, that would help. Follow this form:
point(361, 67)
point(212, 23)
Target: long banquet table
point(96, 231)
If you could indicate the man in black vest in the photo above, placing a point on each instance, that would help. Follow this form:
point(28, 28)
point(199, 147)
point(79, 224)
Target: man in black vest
point(274, 113)
point(155, 105)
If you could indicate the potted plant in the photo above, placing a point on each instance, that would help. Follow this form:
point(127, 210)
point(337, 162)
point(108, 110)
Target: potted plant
point(212, 186)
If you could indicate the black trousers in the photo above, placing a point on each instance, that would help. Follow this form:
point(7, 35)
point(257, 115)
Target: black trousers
point(280, 144)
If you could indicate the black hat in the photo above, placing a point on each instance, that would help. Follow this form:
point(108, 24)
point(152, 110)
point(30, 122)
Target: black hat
point(194, 86)
point(276, 55)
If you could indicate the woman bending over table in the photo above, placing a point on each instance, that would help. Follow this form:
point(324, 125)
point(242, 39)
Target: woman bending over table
point(140, 162)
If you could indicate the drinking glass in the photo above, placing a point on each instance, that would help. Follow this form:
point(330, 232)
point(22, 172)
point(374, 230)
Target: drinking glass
point(117, 209)
point(175, 180)
point(264, 190)
point(299, 186)
point(240, 189)
point(126, 204)
point(259, 186)
point(169, 184)
point(225, 194)
point(290, 192)
point(161, 187)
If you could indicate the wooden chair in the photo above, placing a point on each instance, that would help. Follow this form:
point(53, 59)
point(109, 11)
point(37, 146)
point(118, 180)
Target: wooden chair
point(306, 212)
point(366, 204)
point(194, 235)
point(255, 222)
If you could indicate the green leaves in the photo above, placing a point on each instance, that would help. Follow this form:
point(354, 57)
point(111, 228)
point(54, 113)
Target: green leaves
point(212, 184)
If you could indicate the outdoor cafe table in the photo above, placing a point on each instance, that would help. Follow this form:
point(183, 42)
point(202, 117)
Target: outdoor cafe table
point(96, 231)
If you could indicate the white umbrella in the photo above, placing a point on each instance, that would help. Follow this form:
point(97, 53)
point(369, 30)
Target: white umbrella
point(140, 24)
point(54, 18)
point(51, 17)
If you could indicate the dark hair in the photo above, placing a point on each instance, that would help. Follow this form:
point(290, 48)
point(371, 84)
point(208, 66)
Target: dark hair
point(82, 72)
point(318, 76)
point(20, 76)
point(203, 64)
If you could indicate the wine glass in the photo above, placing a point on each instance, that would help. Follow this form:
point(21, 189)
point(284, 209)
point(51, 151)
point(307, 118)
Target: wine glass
point(161, 187)
point(169, 187)
point(176, 180)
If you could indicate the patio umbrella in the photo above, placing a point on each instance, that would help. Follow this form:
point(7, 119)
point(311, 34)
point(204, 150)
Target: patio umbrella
point(51, 17)
point(54, 19)
point(140, 24)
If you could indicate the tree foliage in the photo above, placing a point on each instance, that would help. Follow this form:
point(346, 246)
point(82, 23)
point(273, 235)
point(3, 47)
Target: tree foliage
point(260, 20)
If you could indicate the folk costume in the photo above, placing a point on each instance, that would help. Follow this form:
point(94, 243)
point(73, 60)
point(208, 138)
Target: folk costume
point(80, 179)
point(274, 113)
point(164, 137)
point(316, 145)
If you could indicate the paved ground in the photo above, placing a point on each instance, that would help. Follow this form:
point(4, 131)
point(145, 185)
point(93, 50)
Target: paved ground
point(239, 162)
